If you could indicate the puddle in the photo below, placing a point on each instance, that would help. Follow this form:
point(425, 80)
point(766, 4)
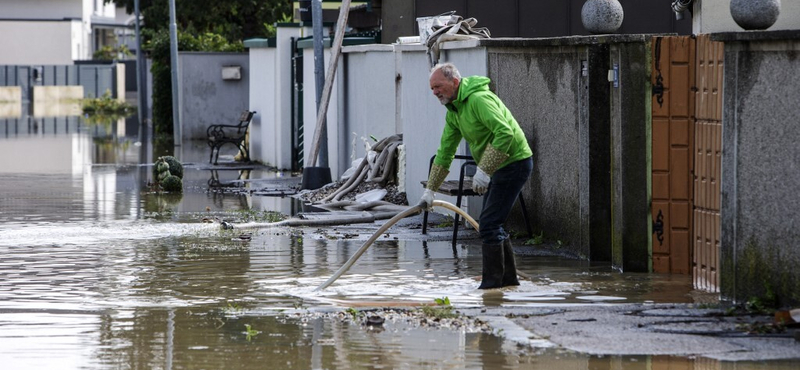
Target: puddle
point(97, 273)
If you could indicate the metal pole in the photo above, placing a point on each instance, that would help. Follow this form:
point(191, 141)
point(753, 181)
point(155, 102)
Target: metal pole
point(140, 78)
point(319, 75)
point(173, 54)
point(322, 110)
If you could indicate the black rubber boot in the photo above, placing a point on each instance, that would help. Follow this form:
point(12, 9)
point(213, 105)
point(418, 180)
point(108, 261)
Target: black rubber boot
point(492, 266)
point(510, 266)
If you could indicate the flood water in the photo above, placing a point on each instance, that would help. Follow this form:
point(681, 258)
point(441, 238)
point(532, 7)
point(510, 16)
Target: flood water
point(99, 273)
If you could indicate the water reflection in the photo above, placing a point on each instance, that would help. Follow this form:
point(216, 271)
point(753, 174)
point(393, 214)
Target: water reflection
point(98, 272)
point(184, 338)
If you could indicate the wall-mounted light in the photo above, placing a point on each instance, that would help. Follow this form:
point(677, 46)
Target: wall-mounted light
point(231, 72)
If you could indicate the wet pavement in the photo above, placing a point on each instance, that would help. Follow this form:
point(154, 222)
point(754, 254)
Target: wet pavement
point(99, 272)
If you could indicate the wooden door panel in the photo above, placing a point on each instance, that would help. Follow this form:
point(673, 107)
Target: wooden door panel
point(709, 68)
point(673, 154)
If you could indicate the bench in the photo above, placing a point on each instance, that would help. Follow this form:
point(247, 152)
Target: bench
point(219, 135)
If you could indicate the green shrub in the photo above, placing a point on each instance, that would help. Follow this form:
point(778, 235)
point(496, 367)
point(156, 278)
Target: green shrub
point(172, 184)
point(168, 174)
point(109, 52)
point(175, 167)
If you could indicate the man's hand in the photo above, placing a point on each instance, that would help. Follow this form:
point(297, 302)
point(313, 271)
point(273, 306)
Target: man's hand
point(480, 182)
point(426, 202)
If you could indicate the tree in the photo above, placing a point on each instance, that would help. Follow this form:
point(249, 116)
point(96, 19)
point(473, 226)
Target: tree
point(236, 20)
point(203, 25)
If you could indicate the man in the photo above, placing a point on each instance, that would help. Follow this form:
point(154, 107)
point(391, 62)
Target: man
point(501, 150)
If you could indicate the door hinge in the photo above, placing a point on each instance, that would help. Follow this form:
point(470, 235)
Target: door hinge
point(658, 227)
point(658, 88)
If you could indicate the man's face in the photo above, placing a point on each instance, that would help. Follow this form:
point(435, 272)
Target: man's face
point(444, 89)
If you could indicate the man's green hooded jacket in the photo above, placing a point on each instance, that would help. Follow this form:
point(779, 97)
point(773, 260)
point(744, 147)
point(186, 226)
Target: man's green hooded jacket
point(478, 116)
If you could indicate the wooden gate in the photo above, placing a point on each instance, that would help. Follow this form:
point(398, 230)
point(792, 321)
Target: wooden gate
point(672, 159)
point(708, 143)
point(686, 152)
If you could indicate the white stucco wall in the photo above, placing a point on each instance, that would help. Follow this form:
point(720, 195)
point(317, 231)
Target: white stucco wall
point(370, 108)
point(262, 100)
point(43, 9)
point(39, 42)
point(715, 16)
point(32, 24)
point(271, 95)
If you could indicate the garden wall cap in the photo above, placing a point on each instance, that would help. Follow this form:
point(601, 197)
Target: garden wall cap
point(260, 43)
point(554, 41)
point(779, 35)
point(327, 42)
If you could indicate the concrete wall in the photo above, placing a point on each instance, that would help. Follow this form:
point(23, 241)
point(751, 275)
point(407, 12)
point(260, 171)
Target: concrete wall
point(630, 154)
point(715, 16)
point(558, 92)
point(40, 42)
point(760, 167)
point(205, 97)
point(541, 87)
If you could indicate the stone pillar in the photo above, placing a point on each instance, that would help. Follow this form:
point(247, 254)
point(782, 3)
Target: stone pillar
point(760, 206)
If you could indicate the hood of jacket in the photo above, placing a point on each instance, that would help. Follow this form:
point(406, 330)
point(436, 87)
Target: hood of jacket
point(466, 87)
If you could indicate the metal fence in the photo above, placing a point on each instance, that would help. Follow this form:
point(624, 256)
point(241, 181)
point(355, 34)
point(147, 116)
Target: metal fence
point(96, 79)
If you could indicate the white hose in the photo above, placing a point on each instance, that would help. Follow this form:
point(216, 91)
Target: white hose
point(408, 212)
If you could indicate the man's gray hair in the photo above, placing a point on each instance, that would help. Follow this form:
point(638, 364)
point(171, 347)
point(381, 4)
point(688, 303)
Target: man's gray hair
point(449, 71)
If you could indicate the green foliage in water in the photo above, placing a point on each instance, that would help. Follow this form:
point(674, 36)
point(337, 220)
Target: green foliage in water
point(353, 312)
point(250, 332)
point(105, 109)
point(442, 310)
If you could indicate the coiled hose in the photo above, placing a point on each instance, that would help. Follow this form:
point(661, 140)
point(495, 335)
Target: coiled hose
point(408, 212)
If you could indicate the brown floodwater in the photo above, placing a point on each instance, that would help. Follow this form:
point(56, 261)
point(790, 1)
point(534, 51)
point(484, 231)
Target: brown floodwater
point(99, 273)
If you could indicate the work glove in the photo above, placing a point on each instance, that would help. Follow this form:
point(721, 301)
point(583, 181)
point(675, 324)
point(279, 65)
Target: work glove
point(492, 160)
point(480, 181)
point(426, 202)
